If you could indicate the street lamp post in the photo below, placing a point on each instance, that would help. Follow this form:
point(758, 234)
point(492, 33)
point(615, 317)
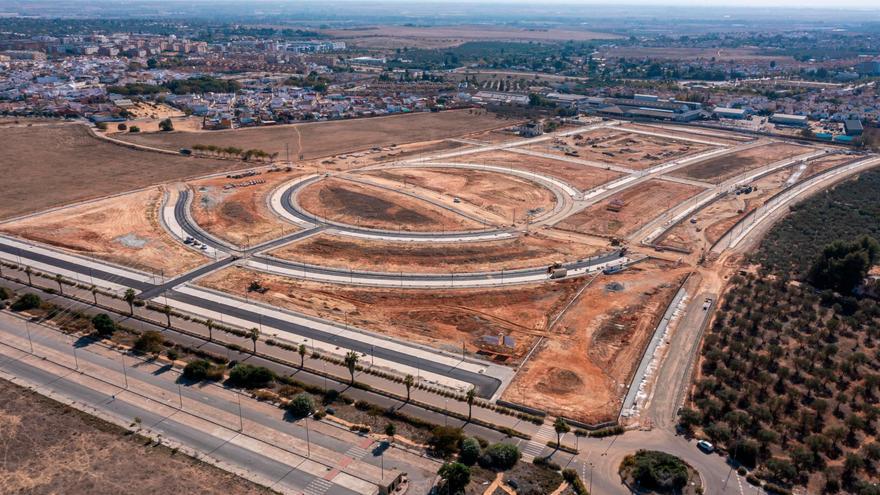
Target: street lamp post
point(124, 373)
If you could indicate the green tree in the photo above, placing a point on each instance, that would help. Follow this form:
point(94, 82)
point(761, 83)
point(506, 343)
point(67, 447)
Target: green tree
point(470, 451)
point(390, 430)
point(254, 335)
point(843, 265)
point(167, 310)
point(561, 428)
point(249, 376)
point(444, 440)
point(26, 302)
point(60, 280)
point(408, 382)
point(302, 405)
point(149, 342)
point(28, 271)
point(302, 355)
point(500, 456)
point(166, 125)
point(351, 360)
point(94, 291)
point(455, 477)
point(469, 397)
point(210, 324)
point(103, 324)
point(130, 297)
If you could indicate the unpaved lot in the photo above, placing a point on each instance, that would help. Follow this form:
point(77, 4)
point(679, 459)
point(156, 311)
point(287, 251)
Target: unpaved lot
point(504, 198)
point(724, 167)
point(583, 177)
point(124, 230)
point(635, 151)
point(238, 212)
point(581, 370)
point(520, 252)
point(49, 448)
point(373, 207)
point(641, 204)
point(46, 166)
point(436, 317)
point(329, 138)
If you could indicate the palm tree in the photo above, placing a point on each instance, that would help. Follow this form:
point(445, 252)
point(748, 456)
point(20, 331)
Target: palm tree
point(94, 291)
point(60, 279)
point(561, 428)
point(471, 394)
point(408, 382)
point(167, 310)
point(254, 334)
point(210, 324)
point(28, 271)
point(351, 360)
point(129, 297)
point(302, 355)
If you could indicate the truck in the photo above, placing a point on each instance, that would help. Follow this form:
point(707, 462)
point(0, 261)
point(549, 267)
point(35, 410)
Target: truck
point(613, 269)
point(556, 270)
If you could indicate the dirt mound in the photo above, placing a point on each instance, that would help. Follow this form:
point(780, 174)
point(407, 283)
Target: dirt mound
point(560, 381)
point(237, 211)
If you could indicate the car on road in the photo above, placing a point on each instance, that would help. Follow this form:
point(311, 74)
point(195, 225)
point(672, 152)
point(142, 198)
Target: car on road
point(705, 446)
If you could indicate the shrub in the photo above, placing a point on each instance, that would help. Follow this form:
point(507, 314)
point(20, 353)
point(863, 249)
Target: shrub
point(455, 476)
point(149, 342)
point(445, 440)
point(104, 325)
point(4, 294)
point(470, 451)
point(166, 125)
point(121, 127)
point(134, 128)
point(26, 302)
point(302, 405)
point(571, 476)
point(202, 369)
point(500, 456)
point(657, 470)
point(249, 376)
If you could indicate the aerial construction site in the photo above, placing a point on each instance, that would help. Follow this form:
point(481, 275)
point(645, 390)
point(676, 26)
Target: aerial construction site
point(540, 272)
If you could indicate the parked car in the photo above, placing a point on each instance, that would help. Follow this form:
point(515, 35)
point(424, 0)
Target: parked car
point(706, 446)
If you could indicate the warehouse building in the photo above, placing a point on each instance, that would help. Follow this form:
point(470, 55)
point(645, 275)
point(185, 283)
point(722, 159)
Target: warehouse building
point(853, 127)
point(730, 113)
point(788, 119)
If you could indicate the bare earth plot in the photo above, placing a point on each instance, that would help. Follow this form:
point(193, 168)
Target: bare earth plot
point(240, 214)
point(46, 166)
point(328, 138)
point(124, 229)
point(502, 195)
point(376, 208)
point(641, 203)
point(822, 164)
point(50, 448)
point(358, 254)
point(724, 167)
point(714, 220)
point(442, 318)
point(582, 177)
point(684, 132)
point(581, 369)
point(380, 154)
point(635, 151)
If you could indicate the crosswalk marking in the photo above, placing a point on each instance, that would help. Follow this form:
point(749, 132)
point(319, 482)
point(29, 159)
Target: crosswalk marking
point(539, 440)
point(356, 452)
point(317, 486)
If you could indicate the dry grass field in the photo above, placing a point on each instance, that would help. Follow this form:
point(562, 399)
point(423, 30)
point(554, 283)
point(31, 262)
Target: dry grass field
point(49, 448)
point(47, 166)
point(634, 151)
point(320, 139)
point(446, 36)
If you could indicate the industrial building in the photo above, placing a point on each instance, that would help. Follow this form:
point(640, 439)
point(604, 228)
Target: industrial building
point(788, 119)
point(853, 127)
point(646, 106)
point(730, 113)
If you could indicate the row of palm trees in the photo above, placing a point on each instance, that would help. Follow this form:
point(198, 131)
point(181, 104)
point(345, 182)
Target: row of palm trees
point(351, 358)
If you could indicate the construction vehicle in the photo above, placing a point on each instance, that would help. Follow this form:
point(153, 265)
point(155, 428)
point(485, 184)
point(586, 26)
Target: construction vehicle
point(556, 270)
point(613, 269)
